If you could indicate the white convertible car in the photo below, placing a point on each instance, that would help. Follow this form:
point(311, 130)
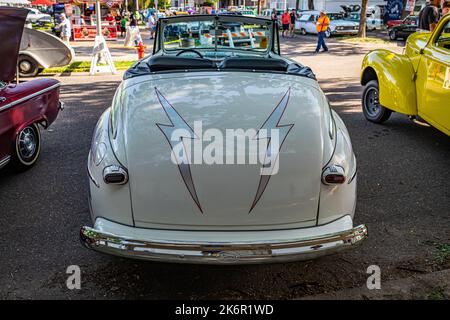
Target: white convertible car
point(218, 150)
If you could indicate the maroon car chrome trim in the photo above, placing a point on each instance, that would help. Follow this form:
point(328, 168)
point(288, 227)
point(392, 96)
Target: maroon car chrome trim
point(35, 94)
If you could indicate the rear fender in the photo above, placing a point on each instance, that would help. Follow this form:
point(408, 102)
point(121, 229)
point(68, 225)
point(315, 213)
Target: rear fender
point(396, 80)
point(40, 119)
point(40, 61)
point(39, 111)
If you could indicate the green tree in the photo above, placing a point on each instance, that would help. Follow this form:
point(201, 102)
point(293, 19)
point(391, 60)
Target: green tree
point(162, 4)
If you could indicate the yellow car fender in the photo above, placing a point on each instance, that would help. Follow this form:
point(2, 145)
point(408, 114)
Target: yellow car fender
point(396, 79)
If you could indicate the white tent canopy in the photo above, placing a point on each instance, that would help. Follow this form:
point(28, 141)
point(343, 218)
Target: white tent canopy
point(24, 2)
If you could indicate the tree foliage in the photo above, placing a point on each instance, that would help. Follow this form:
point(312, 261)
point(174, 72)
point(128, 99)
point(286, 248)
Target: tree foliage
point(162, 4)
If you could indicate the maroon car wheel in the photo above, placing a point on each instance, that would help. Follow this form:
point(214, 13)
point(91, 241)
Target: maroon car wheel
point(27, 147)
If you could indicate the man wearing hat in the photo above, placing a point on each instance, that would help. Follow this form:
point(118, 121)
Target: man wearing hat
point(65, 26)
point(322, 25)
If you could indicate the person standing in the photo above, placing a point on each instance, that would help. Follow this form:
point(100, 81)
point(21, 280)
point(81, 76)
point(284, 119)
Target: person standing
point(135, 35)
point(118, 18)
point(123, 25)
point(322, 26)
point(133, 21)
point(285, 21)
point(66, 29)
point(274, 16)
point(152, 24)
point(137, 15)
point(109, 18)
point(429, 15)
point(293, 16)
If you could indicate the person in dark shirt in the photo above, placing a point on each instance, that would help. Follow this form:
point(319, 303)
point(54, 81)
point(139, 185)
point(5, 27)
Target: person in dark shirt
point(133, 22)
point(429, 15)
point(274, 16)
point(293, 15)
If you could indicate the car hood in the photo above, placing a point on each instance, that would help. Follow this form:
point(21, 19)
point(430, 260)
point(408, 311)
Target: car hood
point(12, 21)
point(222, 196)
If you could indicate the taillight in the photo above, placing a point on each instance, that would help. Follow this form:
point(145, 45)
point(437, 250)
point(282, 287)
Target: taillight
point(333, 175)
point(115, 175)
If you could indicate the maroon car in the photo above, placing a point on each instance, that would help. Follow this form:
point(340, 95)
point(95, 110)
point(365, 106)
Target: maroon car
point(409, 20)
point(25, 106)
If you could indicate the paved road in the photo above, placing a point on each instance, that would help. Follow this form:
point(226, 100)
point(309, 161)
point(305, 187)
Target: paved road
point(404, 198)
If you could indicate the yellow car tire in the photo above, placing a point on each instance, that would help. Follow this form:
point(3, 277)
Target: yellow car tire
point(372, 109)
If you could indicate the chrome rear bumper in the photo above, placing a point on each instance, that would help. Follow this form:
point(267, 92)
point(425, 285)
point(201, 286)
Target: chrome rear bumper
point(225, 251)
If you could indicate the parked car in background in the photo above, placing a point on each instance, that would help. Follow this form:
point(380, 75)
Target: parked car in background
point(175, 9)
point(248, 13)
point(34, 15)
point(40, 50)
point(267, 13)
point(371, 23)
point(43, 23)
point(402, 31)
point(409, 20)
point(160, 14)
point(181, 13)
point(416, 83)
point(306, 23)
point(153, 203)
point(232, 13)
point(24, 106)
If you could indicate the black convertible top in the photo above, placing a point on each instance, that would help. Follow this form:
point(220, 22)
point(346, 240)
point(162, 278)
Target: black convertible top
point(171, 63)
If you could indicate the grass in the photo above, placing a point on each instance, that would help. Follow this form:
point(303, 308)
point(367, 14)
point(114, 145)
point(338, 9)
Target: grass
point(84, 66)
point(437, 294)
point(350, 39)
point(44, 29)
point(442, 253)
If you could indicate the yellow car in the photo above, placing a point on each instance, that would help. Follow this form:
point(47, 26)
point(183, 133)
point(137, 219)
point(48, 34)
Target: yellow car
point(416, 83)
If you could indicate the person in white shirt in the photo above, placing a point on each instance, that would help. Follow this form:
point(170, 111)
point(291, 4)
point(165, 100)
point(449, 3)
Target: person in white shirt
point(152, 24)
point(66, 28)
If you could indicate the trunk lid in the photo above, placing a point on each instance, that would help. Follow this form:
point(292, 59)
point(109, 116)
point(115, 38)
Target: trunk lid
point(220, 196)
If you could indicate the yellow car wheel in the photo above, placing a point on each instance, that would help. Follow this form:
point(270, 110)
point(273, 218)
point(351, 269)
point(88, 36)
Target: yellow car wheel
point(372, 109)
